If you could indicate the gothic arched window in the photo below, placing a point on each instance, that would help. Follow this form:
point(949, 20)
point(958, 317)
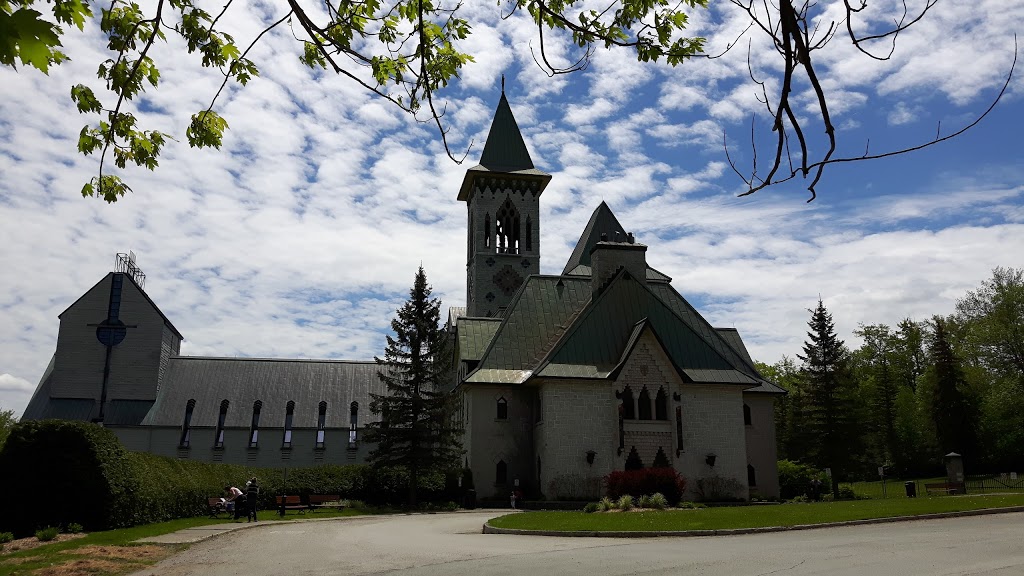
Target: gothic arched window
point(353, 422)
point(501, 473)
point(186, 427)
point(321, 424)
point(254, 427)
point(628, 407)
point(506, 227)
point(644, 404)
point(289, 414)
point(661, 405)
point(529, 235)
point(218, 438)
point(746, 415)
point(751, 476)
point(487, 230)
point(502, 409)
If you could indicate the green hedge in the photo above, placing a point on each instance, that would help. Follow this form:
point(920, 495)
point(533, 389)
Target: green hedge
point(60, 472)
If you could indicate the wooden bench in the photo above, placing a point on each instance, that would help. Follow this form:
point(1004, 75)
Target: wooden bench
point(289, 503)
point(945, 487)
point(325, 501)
point(215, 506)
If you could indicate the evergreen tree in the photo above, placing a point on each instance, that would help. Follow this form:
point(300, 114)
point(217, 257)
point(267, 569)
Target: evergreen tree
point(829, 397)
point(416, 429)
point(952, 409)
point(879, 382)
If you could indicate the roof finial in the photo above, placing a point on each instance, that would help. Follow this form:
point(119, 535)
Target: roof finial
point(502, 83)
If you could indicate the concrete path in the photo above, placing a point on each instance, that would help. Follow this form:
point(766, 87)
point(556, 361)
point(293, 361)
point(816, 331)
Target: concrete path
point(452, 544)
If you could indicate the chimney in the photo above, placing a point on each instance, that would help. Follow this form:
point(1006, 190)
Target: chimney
point(607, 258)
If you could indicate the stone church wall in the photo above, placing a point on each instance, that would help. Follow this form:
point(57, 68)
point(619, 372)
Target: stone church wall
point(493, 440)
point(761, 451)
point(713, 424)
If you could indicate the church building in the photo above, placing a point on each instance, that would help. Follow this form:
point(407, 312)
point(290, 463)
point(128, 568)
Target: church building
point(562, 378)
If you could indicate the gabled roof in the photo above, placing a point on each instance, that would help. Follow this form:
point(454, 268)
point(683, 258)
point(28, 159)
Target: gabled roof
point(601, 221)
point(652, 274)
point(732, 336)
point(593, 346)
point(539, 312)
point(166, 320)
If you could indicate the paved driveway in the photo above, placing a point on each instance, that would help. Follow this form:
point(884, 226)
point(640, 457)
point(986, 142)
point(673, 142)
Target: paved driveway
point(451, 544)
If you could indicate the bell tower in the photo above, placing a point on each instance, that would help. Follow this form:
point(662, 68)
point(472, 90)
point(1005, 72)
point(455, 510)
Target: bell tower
point(502, 195)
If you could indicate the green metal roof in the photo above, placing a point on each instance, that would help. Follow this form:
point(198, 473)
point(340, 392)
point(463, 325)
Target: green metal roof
point(652, 274)
point(601, 221)
point(505, 150)
point(601, 332)
point(539, 313)
point(126, 412)
point(474, 336)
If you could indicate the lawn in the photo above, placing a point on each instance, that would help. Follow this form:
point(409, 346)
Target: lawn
point(750, 516)
point(113, 552)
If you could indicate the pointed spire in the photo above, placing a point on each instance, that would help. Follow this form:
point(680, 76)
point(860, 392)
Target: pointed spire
point(505, 150)
point(602, 221)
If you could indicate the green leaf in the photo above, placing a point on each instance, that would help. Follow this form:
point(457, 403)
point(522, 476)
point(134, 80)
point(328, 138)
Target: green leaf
point(25, 36)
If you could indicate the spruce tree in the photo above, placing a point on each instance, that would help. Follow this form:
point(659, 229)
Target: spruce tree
point(952, 410)
point(830, 403)
point(416, 429)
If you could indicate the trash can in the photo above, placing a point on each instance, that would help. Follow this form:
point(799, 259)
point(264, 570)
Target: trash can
point(911, 489)
point(470, 500)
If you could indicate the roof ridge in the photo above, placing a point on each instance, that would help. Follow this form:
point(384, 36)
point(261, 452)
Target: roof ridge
point(254, 359)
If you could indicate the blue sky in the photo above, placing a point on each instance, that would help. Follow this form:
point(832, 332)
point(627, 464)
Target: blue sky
point(302, 235)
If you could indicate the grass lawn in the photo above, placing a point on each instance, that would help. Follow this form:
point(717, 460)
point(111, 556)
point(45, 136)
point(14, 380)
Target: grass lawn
point(750, 516)
point(113, 552)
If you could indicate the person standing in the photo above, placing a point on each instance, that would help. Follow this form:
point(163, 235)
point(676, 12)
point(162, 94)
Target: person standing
point(252, 492)
point(235, 498)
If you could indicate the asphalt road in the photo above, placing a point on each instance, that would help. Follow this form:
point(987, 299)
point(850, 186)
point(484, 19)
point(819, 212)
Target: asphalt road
point(452, 545)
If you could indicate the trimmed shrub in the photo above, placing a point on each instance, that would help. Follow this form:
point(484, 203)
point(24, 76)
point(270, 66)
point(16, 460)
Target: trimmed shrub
point(6, 537)
point(574, 487)
point(47, 534)
point(82, 469)
point(644, 502)
point(73, 528)
point(847, 493)
point(625, 503)
point(606, 504)
point(592, 507)
point(637, 483)
point(691, 505)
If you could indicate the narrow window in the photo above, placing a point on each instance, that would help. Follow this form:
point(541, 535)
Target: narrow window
point(751, 476)
point(321, 424)
point(353, 423)
point(746, 415)
point(186, 427)
point(487, 230)
point(501, 473)
point(254, 429)
point(289, 414)
point(628, 407)
point(661, 405)
point(679, 430)
point(540, 413)
point(218, 439)
point(529, 235)
point(502, 409)
point(644, 404)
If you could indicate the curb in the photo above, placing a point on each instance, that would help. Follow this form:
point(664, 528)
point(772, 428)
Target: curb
point(488, 529)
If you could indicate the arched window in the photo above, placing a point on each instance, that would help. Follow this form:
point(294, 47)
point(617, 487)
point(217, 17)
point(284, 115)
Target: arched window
point(501, 473)
point(186, 427)
point(506, 227)
point(289, 414)
point(746, 415)
point(661, 405)
point(218, 439)
point(254, 428)
point(644, 404)
point(502, 409)
point(353, 422)
point(321, 424)
point(487, 230)
point(751, 476)
point(529, 235)
point(628, 407)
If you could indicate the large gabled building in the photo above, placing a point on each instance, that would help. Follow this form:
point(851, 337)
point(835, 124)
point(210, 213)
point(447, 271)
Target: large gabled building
point(563, 378)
